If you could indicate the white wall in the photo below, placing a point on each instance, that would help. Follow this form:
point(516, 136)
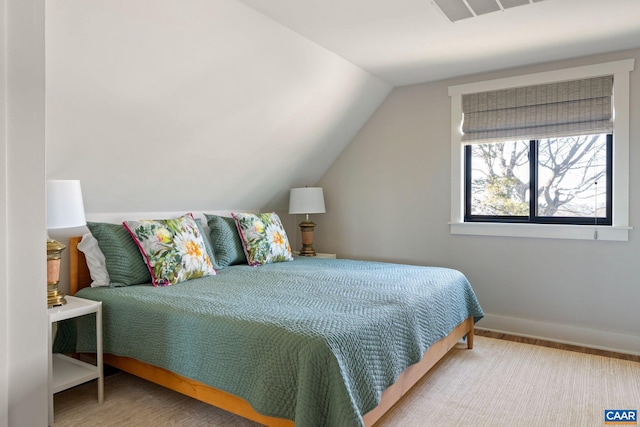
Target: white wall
point(388, 198)
point(23, 339)
point(4, 275)
point(166, 105)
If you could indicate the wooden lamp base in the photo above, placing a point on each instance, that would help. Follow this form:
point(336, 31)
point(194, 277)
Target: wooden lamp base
point(306, 229)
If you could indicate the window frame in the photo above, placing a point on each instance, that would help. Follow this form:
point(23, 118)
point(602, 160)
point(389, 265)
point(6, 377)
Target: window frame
point(533, 218)
point(619, 229)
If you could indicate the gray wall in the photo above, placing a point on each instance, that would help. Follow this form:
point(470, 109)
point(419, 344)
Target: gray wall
point(388, 198)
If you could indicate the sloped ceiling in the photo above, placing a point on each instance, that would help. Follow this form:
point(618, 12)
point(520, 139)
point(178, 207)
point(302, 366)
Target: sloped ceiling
point(169, 105)
point(411, 41)
point(164, 105)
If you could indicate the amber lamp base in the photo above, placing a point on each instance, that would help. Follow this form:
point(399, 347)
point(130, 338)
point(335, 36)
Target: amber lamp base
point(54, 252)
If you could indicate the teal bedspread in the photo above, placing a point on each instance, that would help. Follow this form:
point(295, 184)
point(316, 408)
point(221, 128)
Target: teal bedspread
point(314, 340)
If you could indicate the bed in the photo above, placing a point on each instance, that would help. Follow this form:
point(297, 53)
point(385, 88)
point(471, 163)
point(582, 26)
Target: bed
point(309, 342)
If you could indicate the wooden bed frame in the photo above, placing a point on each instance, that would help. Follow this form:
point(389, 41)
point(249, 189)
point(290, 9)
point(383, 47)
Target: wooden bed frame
point(79, 278)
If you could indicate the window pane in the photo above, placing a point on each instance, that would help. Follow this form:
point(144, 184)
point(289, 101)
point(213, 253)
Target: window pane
point(500, 179)
point(568, 170)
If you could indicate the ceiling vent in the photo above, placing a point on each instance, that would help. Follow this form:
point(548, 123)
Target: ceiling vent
point(457, 10)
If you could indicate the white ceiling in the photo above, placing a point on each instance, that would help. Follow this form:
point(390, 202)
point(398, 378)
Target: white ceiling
point(411, 41)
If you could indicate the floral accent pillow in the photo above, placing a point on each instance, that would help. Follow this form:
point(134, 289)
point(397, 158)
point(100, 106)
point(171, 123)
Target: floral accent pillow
point(263, 238)
point(173, 249)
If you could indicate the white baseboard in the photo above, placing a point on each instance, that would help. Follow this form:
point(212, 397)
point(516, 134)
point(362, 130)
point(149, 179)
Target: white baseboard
point(566, 334)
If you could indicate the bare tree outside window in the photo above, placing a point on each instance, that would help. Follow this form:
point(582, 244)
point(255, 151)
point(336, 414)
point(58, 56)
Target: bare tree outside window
point(568, 170)
point(500, 179)
point(571, 176)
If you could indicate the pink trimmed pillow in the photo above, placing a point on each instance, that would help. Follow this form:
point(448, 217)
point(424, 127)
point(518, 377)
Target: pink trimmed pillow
point(263, 238)
point(173, 249)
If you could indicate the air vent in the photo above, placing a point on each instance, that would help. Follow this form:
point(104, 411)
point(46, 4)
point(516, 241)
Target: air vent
point(457, 10)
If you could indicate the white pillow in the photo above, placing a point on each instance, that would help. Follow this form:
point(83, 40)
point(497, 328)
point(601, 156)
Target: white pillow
point(95, 260)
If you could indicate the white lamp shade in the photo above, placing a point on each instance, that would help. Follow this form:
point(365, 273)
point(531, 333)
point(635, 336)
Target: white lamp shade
point(307, 200)
point(65, 208)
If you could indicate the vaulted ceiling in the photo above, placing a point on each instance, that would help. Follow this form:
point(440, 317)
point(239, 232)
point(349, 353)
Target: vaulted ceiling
point(165, 105)
point(412, 41)
point(168, 105)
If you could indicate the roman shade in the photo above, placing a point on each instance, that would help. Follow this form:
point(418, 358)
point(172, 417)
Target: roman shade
point(568, 108)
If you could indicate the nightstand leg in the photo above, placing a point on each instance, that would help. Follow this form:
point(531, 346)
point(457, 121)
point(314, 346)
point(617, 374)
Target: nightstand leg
point(99, 354)
point(50, 382)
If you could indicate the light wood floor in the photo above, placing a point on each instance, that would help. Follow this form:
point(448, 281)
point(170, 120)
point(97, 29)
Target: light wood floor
point(560, 346)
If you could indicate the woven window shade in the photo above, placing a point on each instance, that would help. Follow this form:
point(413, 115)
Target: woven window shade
point(577, 107)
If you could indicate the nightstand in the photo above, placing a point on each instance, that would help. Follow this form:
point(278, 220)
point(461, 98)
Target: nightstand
point(318, 255)
point(64, 371)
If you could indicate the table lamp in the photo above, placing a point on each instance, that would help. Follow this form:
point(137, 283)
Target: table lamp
point(65, 209)
point(307, 200)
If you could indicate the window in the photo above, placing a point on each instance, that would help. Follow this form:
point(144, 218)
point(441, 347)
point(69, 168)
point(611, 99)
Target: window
point(535, 200)
point(563, 180)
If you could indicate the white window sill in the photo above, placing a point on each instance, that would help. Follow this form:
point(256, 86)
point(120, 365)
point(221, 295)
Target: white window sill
point(545, 231)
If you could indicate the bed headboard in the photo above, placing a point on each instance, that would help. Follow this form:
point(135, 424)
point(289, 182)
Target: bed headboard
point(79, 276)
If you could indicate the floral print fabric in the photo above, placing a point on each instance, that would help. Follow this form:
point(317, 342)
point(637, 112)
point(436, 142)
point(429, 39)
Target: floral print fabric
point(263, 238)
point(173, 249)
